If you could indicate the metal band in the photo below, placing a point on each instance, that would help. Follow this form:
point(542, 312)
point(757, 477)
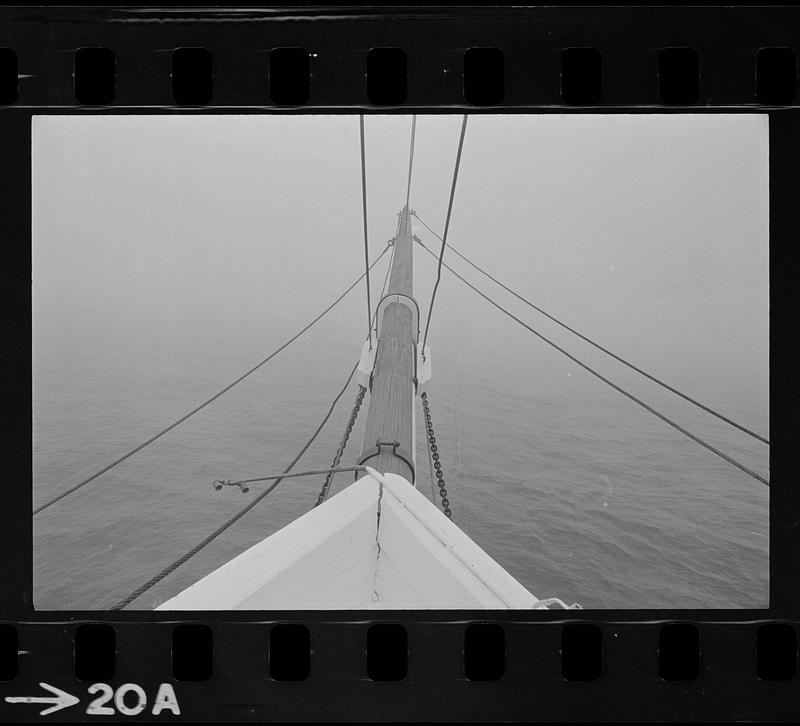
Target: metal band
point(399, 297)
point(396, 451)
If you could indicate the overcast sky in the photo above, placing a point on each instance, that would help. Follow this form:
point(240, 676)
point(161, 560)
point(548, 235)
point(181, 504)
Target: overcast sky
point(649, 231)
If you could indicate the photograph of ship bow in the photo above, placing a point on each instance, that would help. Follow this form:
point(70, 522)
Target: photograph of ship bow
point(382, 541)
point(379, 543)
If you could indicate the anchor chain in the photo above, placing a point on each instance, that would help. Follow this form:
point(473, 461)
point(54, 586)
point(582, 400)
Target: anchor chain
point(329, 478)
point(433, 450)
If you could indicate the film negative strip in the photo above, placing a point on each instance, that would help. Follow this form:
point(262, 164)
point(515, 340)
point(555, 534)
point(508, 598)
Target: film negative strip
point(547, 488)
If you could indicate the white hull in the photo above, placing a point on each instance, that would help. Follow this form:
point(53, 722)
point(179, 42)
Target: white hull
point(378, 544)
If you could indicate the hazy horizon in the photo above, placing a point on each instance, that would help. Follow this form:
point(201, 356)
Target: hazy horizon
point(200, 224)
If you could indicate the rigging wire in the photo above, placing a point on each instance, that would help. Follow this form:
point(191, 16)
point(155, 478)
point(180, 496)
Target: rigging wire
point(150, 583)
point(698, 440)
point(205, 403)
point(328, 483)
point(386, 278)
point(385, 281)
point(217, 532)
point(597, 345)
point(446, 227)
point(411, 156)
point(364, 207)
point(284, 475)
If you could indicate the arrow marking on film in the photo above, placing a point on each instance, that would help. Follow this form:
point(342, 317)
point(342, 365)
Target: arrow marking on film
point(60, 699)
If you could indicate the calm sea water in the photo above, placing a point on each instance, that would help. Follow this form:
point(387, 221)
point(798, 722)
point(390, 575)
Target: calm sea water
point(576, 491)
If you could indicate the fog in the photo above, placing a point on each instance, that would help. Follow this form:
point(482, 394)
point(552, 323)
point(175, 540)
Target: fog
point(648, 232)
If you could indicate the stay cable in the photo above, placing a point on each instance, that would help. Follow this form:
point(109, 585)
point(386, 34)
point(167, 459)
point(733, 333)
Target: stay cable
point(597, 345)
point(605, 380)
point(205, 403)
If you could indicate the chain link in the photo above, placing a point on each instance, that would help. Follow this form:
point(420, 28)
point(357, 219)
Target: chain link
point(336, 459)
point(433, 450)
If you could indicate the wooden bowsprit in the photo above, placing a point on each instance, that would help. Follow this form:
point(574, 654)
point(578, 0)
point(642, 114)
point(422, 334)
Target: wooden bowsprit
point(389, 431)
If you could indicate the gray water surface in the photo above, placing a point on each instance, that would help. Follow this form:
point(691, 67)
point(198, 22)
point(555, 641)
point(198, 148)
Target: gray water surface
point(576, 491)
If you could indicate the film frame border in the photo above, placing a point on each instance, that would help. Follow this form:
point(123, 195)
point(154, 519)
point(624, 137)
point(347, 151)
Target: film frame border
point(727, 41)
